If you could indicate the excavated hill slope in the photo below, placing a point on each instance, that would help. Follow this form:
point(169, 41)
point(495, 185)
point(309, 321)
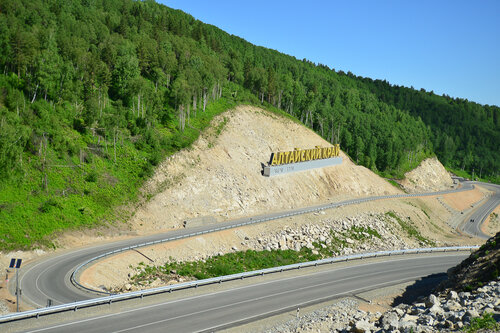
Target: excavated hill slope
point(429, 176)
point(219, 177)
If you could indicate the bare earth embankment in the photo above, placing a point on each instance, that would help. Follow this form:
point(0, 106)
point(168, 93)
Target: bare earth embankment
point(219, 178)
point(429, 176)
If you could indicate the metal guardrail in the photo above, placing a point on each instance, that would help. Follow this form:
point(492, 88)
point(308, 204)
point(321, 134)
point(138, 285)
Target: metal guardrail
point(193, 284)
point(74, 275)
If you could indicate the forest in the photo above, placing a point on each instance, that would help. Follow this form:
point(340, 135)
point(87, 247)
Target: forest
point(95, 93)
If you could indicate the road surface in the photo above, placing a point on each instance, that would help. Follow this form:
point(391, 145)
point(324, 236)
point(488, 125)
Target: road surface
point(226, 308)
point(472, 223)
point(49, 279)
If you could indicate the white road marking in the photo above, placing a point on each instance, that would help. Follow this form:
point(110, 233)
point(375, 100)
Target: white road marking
point(232, 304)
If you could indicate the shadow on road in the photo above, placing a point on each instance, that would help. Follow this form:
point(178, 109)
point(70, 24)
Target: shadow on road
point(421, 287)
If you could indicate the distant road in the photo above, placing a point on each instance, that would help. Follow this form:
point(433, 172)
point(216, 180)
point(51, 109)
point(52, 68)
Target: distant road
point(472, 224)
point(50, 277)
point(221, 309)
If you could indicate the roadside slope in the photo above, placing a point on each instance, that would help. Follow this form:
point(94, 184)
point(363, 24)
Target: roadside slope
point(429, 176)
point(220, 176)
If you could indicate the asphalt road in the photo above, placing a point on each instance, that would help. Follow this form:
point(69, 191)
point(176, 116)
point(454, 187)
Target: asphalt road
point(50, 278)
point(222, 309)
point(472, 224)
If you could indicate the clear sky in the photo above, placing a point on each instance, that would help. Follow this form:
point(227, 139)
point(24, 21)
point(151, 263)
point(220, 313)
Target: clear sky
point(450, 47)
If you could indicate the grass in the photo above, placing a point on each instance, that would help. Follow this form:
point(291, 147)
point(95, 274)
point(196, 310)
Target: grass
point(362, 233)
point(467, 175)
point(227, 264)
point(244, 261)
point(485, 322)
point(394, 183)
point(410, 230)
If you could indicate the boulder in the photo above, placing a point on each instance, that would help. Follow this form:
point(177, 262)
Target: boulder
point(362, 326)
point(431, 300)
point(471, 313)
point(452, 295)
point(436, 310)
point(452, 306)
point(389, 320)
point(407, 326)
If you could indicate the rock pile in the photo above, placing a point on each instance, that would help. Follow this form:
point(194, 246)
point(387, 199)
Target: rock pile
point(445, 312)
point(365, 232)
point(353, 234)
point(336, 317)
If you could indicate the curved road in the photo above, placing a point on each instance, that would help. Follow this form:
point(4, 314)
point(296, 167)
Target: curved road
point(222, 309)
point(50, 278)
point(472, 224)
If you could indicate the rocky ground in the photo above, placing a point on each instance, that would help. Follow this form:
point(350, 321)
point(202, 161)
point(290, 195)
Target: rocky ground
point(362, 233)
point(446, 312)
point(365, 232)
point(346, 228)
point(472, 290)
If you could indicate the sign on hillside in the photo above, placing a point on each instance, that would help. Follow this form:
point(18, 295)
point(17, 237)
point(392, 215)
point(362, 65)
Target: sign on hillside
point(302, 159)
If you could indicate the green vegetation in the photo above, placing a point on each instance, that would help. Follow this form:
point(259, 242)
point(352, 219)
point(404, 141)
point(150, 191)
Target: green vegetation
point(73, 193)
point(362, 233)
point(94, 94)
point(230, 263)
point(485, 322)
point(410, 230)
point(244, 261)
point(472, 175)
point(394, 183)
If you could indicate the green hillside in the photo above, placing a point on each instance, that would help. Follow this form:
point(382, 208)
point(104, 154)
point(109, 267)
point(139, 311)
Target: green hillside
point(94, 94)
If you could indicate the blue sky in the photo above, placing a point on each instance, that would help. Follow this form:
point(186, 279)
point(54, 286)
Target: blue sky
point(450, 47)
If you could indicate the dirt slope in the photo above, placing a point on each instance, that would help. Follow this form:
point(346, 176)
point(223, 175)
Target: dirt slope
point(220, 176)
point(429, 176)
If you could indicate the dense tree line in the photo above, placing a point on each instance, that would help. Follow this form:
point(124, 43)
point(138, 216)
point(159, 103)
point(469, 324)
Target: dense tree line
point(465, 135)
point(125, 69)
